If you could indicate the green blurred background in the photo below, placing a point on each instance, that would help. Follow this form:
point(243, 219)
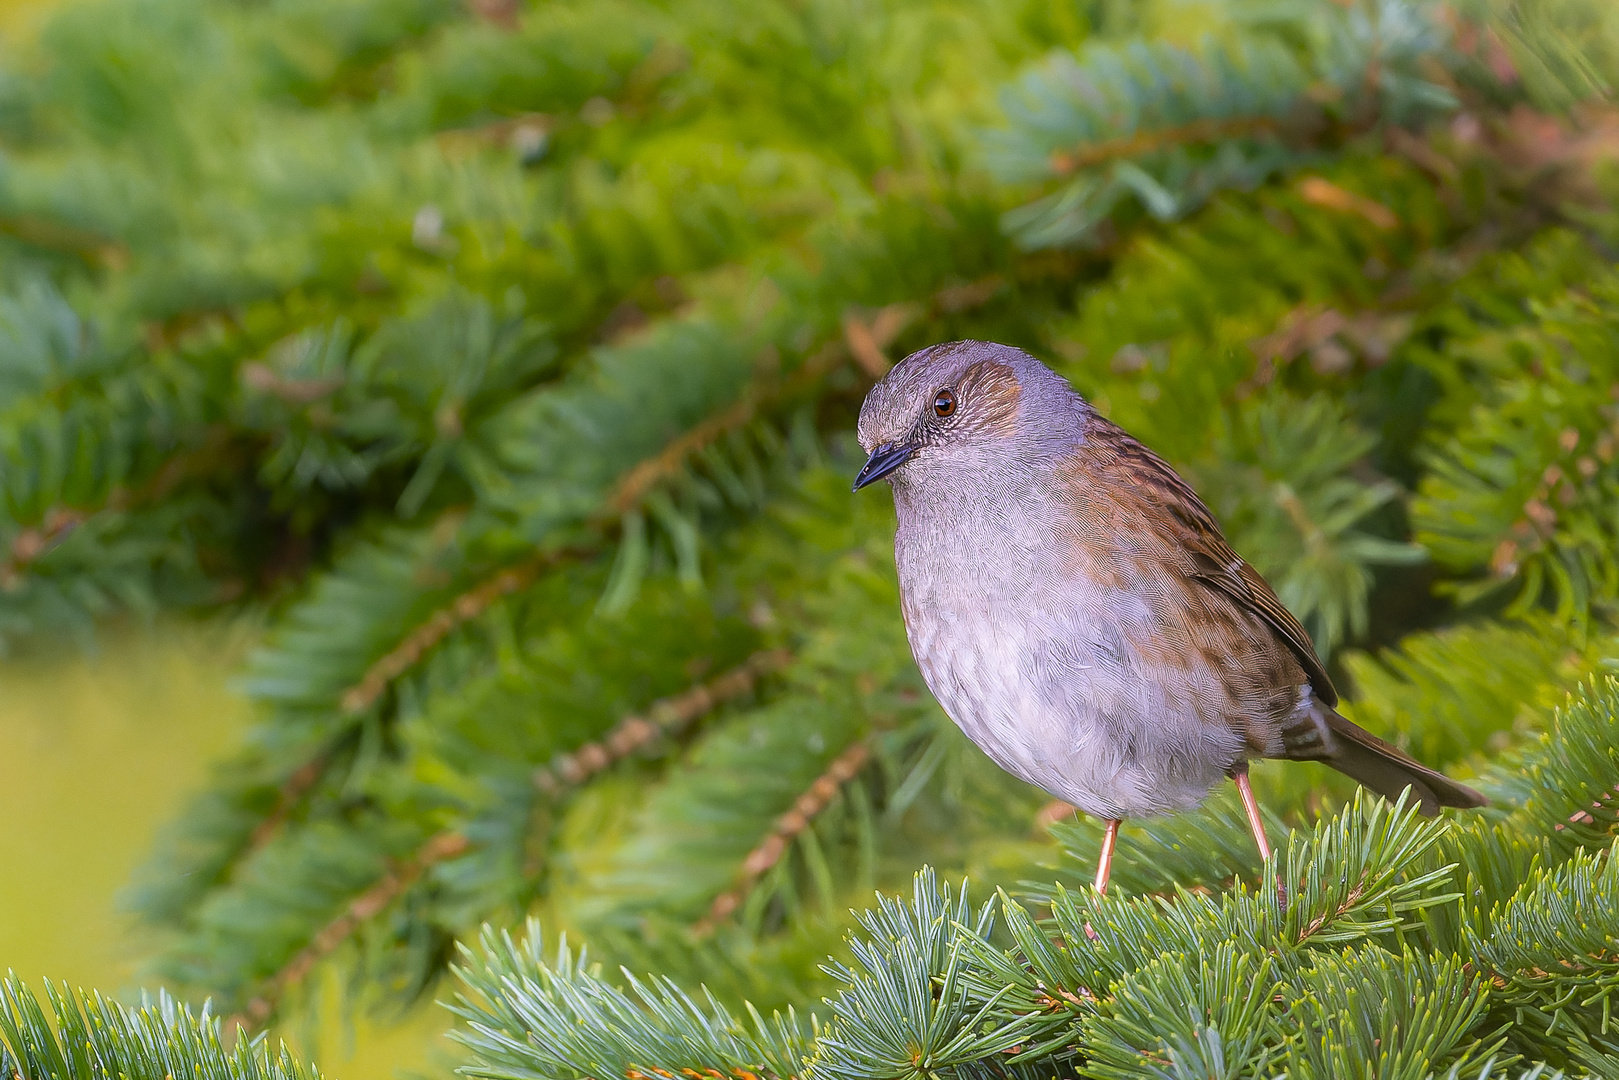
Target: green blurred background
point(97, 752)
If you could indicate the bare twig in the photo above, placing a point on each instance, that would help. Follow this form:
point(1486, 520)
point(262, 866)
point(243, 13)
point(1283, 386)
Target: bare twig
point(293, 789)
point(443, 846)
point(663, 717)
point(464, 608)
point(786, 829)
point(1065, 162)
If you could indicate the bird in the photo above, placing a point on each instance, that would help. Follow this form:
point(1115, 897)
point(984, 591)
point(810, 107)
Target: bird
point(1075, 609)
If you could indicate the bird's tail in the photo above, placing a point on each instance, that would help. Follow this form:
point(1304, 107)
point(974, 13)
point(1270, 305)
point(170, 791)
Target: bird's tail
point(1388, 770)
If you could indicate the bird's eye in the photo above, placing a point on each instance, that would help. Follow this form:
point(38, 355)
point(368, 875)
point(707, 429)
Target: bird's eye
point(945, 403)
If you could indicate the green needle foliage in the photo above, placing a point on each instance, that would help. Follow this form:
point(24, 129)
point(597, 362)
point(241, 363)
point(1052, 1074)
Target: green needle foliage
point(87, 1037)
point(1342, 959)
point(506, 356)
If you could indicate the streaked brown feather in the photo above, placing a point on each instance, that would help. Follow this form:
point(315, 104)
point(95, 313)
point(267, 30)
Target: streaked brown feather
point(1213, 563)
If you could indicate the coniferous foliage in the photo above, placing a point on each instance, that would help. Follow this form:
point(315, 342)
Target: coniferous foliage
point(1403, 948)
point(508, 355)
point(80, 1036)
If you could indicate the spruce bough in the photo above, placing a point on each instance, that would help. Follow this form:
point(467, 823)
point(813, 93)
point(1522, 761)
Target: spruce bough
point(510, 363)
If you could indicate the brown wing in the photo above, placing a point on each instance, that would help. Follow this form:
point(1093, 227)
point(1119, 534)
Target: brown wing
point(1213, 563)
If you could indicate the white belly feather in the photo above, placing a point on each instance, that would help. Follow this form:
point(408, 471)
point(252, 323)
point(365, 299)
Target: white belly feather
point(1042, 677)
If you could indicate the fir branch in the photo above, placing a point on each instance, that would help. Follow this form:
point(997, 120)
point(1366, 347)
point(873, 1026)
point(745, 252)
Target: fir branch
point(1064, 162)
point(463, 609)
point(864, 342)
point(363, 908)
point(668, 716)
point(363, 694)
point(630, 491)
point(300, 782)
point(646, 475)
point(32, 543)
point(1553, 948)
point(845, 767)
point(1165, 127)
point(530, 1016)
point(86, 1036)
point(635, 485)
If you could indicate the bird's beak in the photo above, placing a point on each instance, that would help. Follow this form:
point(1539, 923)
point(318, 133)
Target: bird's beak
point(883, 460)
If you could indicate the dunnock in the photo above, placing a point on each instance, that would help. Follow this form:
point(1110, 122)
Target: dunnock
point(1075, 609)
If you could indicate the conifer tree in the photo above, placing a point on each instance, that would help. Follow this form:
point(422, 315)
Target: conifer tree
point(508, 356)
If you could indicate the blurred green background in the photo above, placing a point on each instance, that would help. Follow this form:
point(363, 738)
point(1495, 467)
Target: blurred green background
point(97, 753)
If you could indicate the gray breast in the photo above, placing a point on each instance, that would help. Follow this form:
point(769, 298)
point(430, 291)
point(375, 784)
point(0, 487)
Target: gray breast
point(1036, 666)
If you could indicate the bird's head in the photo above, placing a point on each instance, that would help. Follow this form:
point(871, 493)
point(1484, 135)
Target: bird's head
point(960, 404)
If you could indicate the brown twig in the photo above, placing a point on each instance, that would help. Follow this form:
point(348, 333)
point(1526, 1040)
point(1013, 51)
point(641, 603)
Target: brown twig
point(640, 480)
point(463, 609)
point(663, 717)
point(95, 249)
point(786, 829)
point(867, 340)
point(297, 784)
point(1320, 191)
point(1064, 162)
point(445, 845)
point(33, 542)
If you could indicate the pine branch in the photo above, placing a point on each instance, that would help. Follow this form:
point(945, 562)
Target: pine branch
point(530, 1016)
point(88, 1036)
point(361, 909)
point(845, 767)
point(1064, 162)
point(463, 609)
point(668, 716)
point(1164, 127)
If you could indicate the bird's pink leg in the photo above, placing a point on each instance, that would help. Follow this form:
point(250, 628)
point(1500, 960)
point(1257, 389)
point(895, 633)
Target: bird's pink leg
point(1251, 804)
point(1104, 864)
point(1257, 824)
